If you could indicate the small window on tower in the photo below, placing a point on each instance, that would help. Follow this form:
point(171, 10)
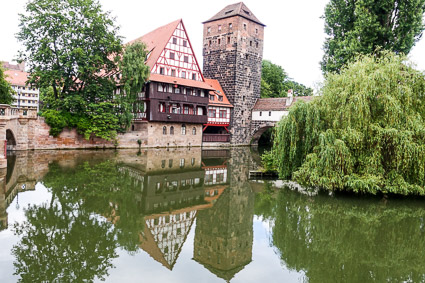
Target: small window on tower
point(172, 55)
point(219, 27)
point(209, 29)
point(219, 41)
point(185, 43)
point(256, 44)
point(244, 26)
point(250, 43)
point(246, 56)
point(174, 40)
point(209, 43)
point(230, 25)
point(256, 30)
point(228, 40)
point(186, 59)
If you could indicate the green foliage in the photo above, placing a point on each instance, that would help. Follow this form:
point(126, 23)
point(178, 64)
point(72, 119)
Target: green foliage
point(344, 239)
point(365, 134)
point(6, 90)
point(361, 26)
point(73, 50)
point(276, 83)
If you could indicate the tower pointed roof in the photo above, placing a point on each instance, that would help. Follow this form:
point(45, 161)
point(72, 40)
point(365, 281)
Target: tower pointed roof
point(237, 9)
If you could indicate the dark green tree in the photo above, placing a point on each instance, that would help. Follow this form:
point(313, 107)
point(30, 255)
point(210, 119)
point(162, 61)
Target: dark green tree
point(276, 83)
point(73, 48)
point(366, 133)
point(362, 26)
point(6, 90)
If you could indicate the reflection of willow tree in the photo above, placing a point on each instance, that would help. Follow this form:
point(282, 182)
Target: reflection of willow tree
point(334, 240)
point(69, 228)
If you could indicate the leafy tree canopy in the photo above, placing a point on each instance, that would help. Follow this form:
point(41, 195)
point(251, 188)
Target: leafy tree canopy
point(73, 49)
point(276, 83)
point(6, 90)
point(361, 26)
point(366, 133)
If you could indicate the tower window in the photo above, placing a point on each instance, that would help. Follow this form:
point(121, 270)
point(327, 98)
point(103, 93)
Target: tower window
point(230, 25)
point(209, 43)
point(256, 30)
point(256, 44)
point(193, 133)
point(246, 56)
point(250, 43)
point(242, 112)
point(219, 27)
point(164, 130)
point(219, 41)
point(174, 40)
point(244, 26)
point(228, 40)
point(171, 133)
point(172, 55)
point(209, 29)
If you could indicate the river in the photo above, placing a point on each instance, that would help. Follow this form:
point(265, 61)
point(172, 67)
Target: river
point(192, 215)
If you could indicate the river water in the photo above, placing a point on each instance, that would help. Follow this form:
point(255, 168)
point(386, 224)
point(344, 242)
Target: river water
point(187, 215)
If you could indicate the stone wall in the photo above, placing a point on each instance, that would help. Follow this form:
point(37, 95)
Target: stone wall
point(157, 138)
point(233, 56)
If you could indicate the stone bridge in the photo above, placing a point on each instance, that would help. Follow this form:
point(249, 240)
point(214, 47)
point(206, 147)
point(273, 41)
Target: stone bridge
point(14, 124)
point(258, 128)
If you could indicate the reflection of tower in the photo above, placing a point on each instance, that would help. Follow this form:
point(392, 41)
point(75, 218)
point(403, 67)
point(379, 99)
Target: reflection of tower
point(223, 235)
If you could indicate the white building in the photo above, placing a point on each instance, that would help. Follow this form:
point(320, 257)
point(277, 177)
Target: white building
point(25, 95)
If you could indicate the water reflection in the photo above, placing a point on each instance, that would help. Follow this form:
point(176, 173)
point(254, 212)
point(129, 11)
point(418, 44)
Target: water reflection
point(347, 239)
point(103, 202)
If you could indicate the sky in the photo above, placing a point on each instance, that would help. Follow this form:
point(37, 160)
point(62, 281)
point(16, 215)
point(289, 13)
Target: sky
point(293, 39)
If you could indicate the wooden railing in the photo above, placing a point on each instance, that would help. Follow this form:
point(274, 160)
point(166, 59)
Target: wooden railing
point(215, 138)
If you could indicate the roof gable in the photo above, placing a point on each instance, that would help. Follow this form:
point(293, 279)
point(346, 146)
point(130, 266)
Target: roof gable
point(237, 9)
point(171, 57)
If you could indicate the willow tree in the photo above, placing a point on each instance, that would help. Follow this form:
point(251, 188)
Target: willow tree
point(366, 133)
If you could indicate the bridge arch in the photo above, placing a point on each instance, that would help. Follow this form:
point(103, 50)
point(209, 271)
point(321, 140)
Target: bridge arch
point(258, 130)
point(11, 140)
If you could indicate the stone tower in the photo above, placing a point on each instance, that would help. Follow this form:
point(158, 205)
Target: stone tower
point(233, 52)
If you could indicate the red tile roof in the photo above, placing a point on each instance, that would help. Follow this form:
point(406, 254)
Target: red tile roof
point(277, 104)
point(156, 41)
point(217, 90)
point(16, 77)
point(179, 81)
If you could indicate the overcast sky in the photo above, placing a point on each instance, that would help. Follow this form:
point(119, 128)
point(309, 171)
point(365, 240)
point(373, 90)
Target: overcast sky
point(293, 35)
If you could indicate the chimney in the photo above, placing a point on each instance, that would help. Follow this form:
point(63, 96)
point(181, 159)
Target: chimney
point(290, 98)
point(21, 66)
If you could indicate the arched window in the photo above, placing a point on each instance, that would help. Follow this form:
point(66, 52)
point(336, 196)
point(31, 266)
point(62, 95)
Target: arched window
point(171, 130)
point(194, 131)
point(164, 130)
point(183, 129)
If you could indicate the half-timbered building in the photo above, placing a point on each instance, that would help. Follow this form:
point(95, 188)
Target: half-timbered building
point(219, 112)
point(175, 98)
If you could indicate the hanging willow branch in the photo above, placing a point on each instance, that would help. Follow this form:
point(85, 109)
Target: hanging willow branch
point(366, 133)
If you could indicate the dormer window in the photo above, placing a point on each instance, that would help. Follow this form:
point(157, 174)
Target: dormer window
point(212, 97)
point(220, 98)
point(228, 12)
point(246, 12)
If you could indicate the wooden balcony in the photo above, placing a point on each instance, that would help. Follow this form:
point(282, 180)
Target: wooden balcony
point(215, 137)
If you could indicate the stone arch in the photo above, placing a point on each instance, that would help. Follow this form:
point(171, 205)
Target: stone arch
point(259, 132)
point(11, 140)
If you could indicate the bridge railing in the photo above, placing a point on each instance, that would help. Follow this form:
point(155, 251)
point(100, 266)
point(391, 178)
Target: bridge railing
point(9, 112)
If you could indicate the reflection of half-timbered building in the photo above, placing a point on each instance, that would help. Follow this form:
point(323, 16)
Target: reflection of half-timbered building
point(175, 98)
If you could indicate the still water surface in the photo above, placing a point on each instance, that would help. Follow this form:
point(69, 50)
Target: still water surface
point(193, 216)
